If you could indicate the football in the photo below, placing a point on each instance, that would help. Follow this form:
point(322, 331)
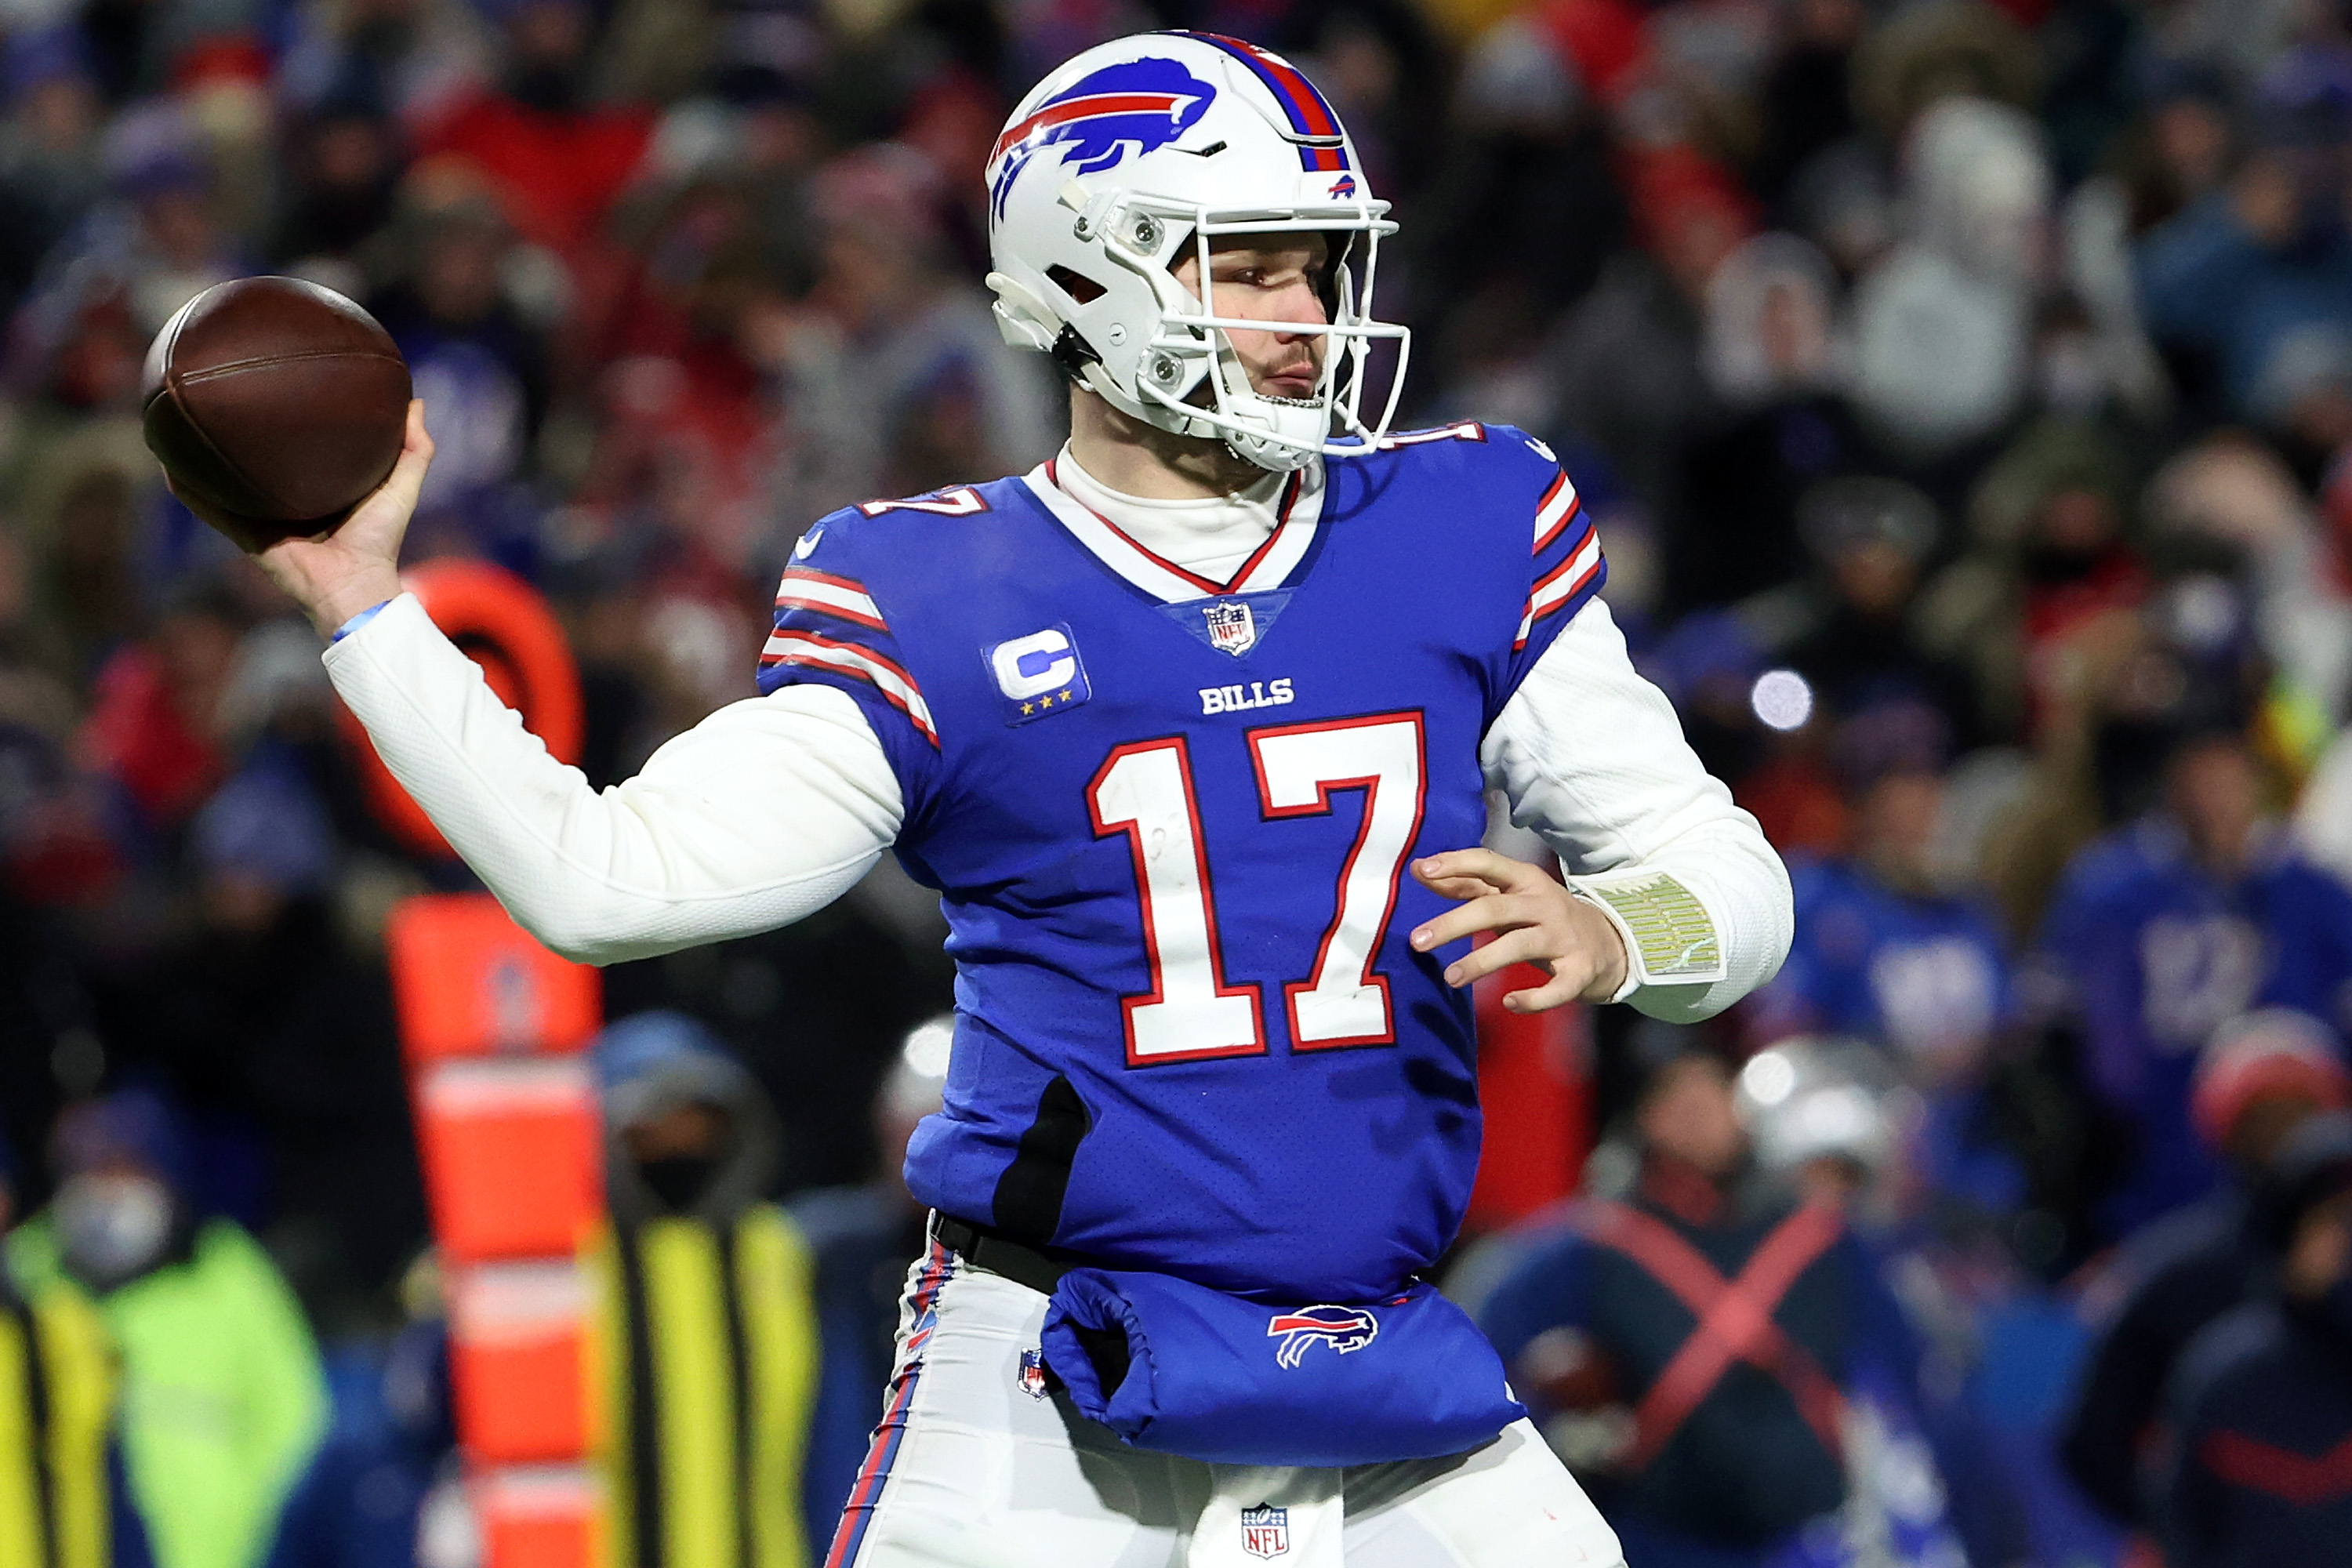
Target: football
point(276, 402)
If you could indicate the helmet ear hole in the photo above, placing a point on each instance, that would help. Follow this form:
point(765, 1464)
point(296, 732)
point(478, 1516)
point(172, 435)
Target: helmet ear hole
point(1077, 285)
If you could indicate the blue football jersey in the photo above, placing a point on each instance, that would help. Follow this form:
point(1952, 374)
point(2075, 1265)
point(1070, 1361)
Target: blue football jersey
point(1170, 820)
point(2156, 954)
point(1920, 973)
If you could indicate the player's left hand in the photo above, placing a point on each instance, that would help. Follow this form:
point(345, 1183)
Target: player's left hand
point(1536, 921)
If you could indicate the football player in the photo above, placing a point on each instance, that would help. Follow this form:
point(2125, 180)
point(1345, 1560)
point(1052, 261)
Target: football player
point(1193, 728)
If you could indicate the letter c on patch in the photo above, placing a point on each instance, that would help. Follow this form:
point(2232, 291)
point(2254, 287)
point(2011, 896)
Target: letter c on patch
point(1031, 666)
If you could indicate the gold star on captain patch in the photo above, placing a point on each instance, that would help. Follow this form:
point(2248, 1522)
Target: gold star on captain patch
point(1065, 696)
point(1028, 708)
point(1044, 702)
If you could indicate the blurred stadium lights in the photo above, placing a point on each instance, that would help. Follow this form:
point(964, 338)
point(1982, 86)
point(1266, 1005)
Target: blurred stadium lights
point(1782, 699)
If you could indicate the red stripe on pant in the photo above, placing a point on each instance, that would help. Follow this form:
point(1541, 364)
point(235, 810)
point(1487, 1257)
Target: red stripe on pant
point(864, 1497)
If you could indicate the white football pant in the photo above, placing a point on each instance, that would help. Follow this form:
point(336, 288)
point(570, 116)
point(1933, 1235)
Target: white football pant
point(973, 1469)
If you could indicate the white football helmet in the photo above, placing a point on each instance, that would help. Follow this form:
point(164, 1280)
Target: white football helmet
point(1139, 148)
point(1820, 1098)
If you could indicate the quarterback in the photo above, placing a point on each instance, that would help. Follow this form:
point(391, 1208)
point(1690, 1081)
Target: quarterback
point(1194, 728)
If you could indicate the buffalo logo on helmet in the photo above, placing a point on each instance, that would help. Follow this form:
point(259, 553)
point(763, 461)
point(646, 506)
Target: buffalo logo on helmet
point(1136, 105)
point(1344, 1328)
point(1345, 186)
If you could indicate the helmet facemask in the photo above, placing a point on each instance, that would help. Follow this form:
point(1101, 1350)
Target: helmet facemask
point(1272, 432)
point(1188, 379)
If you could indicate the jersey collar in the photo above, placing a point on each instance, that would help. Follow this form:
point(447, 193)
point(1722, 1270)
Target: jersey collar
point(1300, 509)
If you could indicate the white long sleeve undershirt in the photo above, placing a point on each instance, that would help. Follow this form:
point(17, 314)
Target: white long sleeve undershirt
point(1213, 537)
point(774, 807)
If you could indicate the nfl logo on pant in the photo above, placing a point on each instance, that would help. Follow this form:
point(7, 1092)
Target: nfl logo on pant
point(1265, 1532)
point(1032, 1374)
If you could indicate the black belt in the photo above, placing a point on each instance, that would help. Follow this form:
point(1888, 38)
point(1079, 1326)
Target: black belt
point(986, 1249)
point(1040, 1271)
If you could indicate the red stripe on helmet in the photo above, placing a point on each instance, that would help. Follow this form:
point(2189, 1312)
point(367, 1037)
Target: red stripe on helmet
point(1101, 103)
point(1310, 114)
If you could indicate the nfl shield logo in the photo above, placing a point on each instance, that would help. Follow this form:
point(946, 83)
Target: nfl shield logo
point(1265, 1532)
point(1231, 628)
point(1032, 1374)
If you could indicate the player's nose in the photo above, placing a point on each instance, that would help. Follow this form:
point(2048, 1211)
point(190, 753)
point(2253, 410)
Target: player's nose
point(1298, 303)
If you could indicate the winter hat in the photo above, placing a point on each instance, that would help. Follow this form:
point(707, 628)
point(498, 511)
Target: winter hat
point(2312, 1166)
point(130, 1127)
point(2275, 1051)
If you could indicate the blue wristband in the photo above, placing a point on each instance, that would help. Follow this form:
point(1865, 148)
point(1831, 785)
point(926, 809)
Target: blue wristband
point(356, 622)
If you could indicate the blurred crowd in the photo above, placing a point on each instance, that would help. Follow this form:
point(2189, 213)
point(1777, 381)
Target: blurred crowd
point(1963, 391)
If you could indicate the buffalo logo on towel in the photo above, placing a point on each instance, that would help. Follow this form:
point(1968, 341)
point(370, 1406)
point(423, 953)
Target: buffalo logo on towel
point(1344, 1328)
point(1265, 1532)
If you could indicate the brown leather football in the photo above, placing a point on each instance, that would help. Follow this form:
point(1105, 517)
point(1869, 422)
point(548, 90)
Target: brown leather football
point(276, 401)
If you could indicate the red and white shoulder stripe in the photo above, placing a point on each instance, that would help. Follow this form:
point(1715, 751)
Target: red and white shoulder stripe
point(1560, 585)
point(1558, 512)
point(806, 588)
point(793, 645)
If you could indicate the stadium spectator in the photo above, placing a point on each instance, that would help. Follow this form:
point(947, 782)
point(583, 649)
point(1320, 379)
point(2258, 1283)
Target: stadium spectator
point(897, 380)
point(363, 1501)
point(555, 161)
point(59, 1498)
point(278, 1034)
point(2165, 930)
point(49, 169)
point(416, 58)
point(1627, 359)
point(151, 725)
point(2236, 502)
point(1825, 1117)
point(2047, 559)
point(481, 363)
point(145, 251)
point(1884, 952)
point(1942, 324)
point(1890, 952)
point(343, 164)
point(2254, 276)
point(1806, 102)
point(1702, 1444)
point(1771, 362)
point(1851, 632)
point(2178, 149)
point(1524, 213)
point(709, 1366)
point(2259, 1408)
point(221, 1395)
point(2257, 1083)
